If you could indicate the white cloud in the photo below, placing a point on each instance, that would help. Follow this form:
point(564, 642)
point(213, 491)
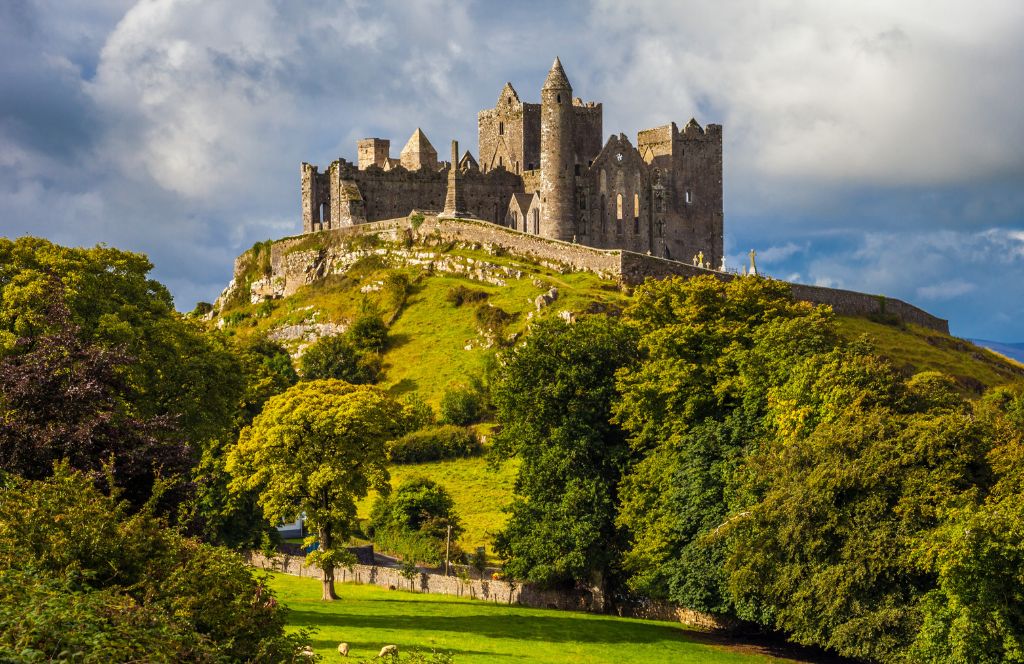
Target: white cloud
point(846, 92)
point(946, 290)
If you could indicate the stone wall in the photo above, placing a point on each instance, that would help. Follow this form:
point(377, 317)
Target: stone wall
point(634, 268)
point(294, 265)
point(495, 591)
point(498, 592)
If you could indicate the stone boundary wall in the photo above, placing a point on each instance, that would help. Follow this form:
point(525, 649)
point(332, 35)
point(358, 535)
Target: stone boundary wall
point(637, 267)
point(497, 592)
point(627, 267)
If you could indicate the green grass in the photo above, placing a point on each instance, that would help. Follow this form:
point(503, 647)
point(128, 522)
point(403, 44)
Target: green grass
point(918, 349)
point(479, 492)
point(368, 617)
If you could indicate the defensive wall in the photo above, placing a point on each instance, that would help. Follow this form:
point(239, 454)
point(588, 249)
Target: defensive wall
point(292, 265)
point(492, 590)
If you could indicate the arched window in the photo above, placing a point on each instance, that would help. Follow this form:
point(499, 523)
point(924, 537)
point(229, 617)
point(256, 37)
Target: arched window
point(636, 213)
point(324, 213)
point(689, 197)
point(558, 98)
point(618, 214)
point(536, 221)
point(604, 214)
point(501, 129)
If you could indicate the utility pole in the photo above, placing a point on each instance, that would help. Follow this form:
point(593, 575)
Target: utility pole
point(447, 548)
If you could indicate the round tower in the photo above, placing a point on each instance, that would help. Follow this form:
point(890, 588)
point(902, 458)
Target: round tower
point(557, 176)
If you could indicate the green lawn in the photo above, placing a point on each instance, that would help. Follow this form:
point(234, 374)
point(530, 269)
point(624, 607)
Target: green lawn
point(479, 491)
point(368, 617)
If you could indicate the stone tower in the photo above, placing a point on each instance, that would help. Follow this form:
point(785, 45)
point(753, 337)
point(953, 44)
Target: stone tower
point(419, 153)
point(557, 177)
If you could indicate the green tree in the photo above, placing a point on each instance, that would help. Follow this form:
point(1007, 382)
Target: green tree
point(339, 359)
point(219, 515)
point(694, 406)
point(314, 451)
point(418, 504)
point(554, 394)
point(86, 577)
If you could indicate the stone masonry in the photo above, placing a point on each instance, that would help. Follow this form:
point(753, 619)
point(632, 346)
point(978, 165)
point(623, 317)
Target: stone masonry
point(294, 263)
point(542, 169)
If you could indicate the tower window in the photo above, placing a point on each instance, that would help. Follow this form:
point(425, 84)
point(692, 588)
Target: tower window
point(501, 129)
point(689, 197)
point(618, 214)
point(558, 98)
point(501, 163)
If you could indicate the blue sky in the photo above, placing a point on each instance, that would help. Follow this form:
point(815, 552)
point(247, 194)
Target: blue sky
point(875, 146)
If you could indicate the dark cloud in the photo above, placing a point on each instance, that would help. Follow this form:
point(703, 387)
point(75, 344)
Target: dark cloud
point(869, 145)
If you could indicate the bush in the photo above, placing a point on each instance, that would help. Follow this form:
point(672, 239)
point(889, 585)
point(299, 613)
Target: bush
point(419, 414)
point(434, 444)
point(82, 579)
point(337, 357)
point(491, 317)
point(460, 295)
point(414, 520)
point(462, 405)
point(368, 333)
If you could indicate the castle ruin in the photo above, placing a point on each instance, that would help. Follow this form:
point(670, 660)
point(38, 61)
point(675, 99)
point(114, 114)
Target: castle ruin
point(542, 170)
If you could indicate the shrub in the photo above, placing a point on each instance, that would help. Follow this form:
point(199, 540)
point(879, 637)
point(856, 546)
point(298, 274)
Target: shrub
point(337, 357)
point(491, 317)
point(414, 519)
point(462, 405)
point(434, 444)
point(460, 295)
point(368, 333)
point(418, 412)
point(83, 579)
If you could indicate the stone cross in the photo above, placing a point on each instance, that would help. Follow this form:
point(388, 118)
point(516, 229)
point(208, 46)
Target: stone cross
point(700, 258)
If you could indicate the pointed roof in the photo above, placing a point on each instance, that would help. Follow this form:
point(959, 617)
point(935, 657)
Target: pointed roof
point(418, 143)
point(557, 80)
point(468, 163)
point(508, 94)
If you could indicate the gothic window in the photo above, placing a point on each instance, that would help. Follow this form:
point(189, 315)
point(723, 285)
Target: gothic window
point(618, 214)
point(581, 225)
point(583, 201)
point(323, 212)
point(536, 221)
point(604, 214)
point(659, 202)
point(558, 98)
point(515, 219)
point(636, 213)
point(501, 129)
point(661, 228)
point(501, 162)
point(689, 197)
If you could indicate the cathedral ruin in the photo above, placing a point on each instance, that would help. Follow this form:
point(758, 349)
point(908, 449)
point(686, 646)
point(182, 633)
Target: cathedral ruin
point(542, 170)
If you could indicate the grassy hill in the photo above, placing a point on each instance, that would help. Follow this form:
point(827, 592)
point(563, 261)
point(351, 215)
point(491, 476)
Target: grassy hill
point(446, 327)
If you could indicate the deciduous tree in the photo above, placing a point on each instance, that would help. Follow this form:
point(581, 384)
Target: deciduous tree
point(314, 451)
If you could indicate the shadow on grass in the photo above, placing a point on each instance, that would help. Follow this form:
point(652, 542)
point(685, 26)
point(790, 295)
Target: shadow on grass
point(555, 629)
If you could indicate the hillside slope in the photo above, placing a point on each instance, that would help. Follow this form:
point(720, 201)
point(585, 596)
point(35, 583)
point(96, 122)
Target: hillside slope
point(451, 306)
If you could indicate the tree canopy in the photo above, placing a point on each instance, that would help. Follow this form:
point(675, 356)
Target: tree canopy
point(553, 395)
point(315, 450)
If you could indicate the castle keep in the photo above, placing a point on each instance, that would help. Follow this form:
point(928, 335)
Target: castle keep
point(542, 170)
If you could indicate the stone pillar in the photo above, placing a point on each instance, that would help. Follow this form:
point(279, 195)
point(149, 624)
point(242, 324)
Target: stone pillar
point(454, 200)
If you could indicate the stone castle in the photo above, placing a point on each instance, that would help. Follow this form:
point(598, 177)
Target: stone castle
point(542, 170)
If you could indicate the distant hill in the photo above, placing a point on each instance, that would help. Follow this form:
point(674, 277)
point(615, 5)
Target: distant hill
point(1014, 351)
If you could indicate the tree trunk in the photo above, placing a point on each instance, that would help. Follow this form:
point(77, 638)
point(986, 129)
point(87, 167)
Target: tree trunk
point(328, 570)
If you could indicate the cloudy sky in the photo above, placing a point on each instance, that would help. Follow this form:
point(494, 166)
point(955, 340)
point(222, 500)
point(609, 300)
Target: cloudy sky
point(875, 146)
